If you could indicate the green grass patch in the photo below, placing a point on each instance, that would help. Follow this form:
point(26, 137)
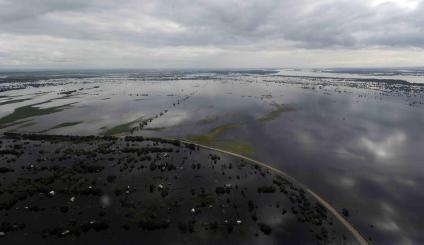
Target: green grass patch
point(13, 101)
point(211, 139)
point(213, 134)
point(155, 129)
point(274, 114)
point(236, 146)
point(25, 124)
point(120, 129)
point(62, 125)
point(67, 124)
point(30, 111)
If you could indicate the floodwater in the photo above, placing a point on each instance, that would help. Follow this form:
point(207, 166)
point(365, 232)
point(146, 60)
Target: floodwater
point(411, 75)
point(357, 144)
point(125, 191)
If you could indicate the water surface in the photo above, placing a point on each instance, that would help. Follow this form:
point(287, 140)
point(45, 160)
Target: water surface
point(357, 143)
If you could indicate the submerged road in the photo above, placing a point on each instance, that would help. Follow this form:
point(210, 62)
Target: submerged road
point(356, 234)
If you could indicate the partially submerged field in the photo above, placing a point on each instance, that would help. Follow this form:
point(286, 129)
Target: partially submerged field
point(71, 189)
point(355, 142)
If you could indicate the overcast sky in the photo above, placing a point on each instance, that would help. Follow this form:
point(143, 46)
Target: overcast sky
point(210, 33)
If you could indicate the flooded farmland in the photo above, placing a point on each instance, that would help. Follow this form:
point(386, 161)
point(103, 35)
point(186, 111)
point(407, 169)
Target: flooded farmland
point(357, 143)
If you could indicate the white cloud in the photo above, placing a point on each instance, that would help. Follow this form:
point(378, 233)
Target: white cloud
point(229, 33)
point(386, 148)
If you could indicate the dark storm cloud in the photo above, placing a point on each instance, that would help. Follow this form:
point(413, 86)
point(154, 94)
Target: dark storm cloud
point(174, 32)
point(306, 24)
point(309, 24)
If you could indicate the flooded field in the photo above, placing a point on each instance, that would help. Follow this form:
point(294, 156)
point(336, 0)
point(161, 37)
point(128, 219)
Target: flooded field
point(103, 190)
point(357, 143)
